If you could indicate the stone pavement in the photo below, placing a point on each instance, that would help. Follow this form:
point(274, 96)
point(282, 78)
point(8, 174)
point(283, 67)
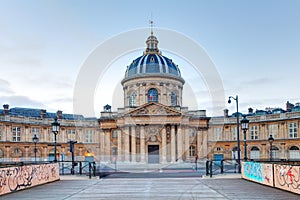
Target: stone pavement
point(219, 187)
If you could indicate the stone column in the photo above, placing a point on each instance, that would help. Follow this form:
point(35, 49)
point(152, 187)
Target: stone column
point(126, 145)
point(7, 154)
point(187, 143)
point(199, 144)
point(142, 140)
point(102, 146)
point(164, 145)
point(173, 144)
point(107, 145)
point(204, 142)
point(27, 138)
point(179, 144)
point(283, 150)
point(133, 144)
point(263, 152)
point(120, 145)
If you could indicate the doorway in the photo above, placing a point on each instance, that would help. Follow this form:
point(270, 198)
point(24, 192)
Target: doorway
point(153, 154)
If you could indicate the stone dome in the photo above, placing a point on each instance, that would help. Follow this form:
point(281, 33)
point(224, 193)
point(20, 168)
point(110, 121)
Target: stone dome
point(152, 62)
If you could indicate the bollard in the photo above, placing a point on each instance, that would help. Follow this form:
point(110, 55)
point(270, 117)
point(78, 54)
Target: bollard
point(90, 170)
point(94, 169)
point(210, 168)
point(222, 166)
point(207, 167)
point(80, 168)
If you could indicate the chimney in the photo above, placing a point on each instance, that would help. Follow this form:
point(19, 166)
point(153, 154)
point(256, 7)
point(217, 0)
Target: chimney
point(6, 107)
point(43, 113)
point(289, 106)
point(250, 110)
point(59, 114)
point(226, 113)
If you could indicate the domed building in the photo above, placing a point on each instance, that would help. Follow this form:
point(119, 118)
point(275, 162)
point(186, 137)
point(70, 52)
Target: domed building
point(153, 126)
point(152, 77)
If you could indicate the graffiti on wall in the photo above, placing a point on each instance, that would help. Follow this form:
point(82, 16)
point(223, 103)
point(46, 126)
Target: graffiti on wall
point(258, 172)
point(287, 177)
point(22, 177)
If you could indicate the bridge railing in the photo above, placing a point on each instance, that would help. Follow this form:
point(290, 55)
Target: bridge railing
point(214, 167)
point(77, 167)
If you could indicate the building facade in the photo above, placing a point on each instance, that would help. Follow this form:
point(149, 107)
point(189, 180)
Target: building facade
point(283, 125)
point(152, 127)
point(19, 125)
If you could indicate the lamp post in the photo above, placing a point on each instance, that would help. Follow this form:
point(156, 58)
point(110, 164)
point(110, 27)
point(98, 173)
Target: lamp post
point(35, 140)
point(237, 129)
point(245, 124)
point(271, 140)
point(55, 130)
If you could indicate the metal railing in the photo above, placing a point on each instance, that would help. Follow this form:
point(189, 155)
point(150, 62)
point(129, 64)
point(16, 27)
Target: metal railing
point(78, 167)
point(214, 167)
point(65, 167)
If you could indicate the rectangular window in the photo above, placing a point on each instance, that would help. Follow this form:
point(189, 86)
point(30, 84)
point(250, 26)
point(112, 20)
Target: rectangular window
point(115, 134)
point(192, 151)
point(35, 131)
point(254, 133)
point(273, 130)
point(293, 130)
point(234, 133)
point(89, 136)
point(192, 133)
point(218, 134)
point(16, 131)
point(71, 134)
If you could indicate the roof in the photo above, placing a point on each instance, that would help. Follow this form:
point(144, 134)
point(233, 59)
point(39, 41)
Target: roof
point(36, 113)
point(152, 62)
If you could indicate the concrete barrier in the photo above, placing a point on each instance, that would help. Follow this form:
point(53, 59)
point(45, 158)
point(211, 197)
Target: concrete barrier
point(285, 177)
point(258, 172)
point(22, 177)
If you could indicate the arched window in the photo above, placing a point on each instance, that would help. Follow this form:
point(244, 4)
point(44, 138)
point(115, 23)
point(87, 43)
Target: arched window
point(152, 95)
point(294, 153)
point(234, 153)
point(173, 99)
point(255, 153)
point(132, 99)
point(275, 152)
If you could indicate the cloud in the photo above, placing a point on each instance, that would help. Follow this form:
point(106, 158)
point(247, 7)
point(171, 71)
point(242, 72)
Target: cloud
point(5, 87)
point(20, 101)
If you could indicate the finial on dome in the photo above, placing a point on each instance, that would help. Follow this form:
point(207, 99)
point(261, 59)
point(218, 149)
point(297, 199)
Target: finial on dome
point(151, 26)
point(152, 41)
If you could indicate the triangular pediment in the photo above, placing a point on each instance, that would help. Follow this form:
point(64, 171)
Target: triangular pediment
point(153, 108)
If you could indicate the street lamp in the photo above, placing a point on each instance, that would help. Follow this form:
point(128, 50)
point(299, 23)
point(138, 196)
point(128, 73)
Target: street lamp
point(35, 140)
point(271, 140)
point(55, 130)
point(245, 124)
point(237, 129)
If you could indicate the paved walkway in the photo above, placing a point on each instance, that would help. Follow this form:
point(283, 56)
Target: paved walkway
point(219, 187)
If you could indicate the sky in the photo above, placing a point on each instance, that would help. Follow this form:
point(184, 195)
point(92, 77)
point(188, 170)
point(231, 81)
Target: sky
point(254, 45)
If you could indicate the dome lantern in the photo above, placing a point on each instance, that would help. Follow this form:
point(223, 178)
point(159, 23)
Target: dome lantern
point(152, 44)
